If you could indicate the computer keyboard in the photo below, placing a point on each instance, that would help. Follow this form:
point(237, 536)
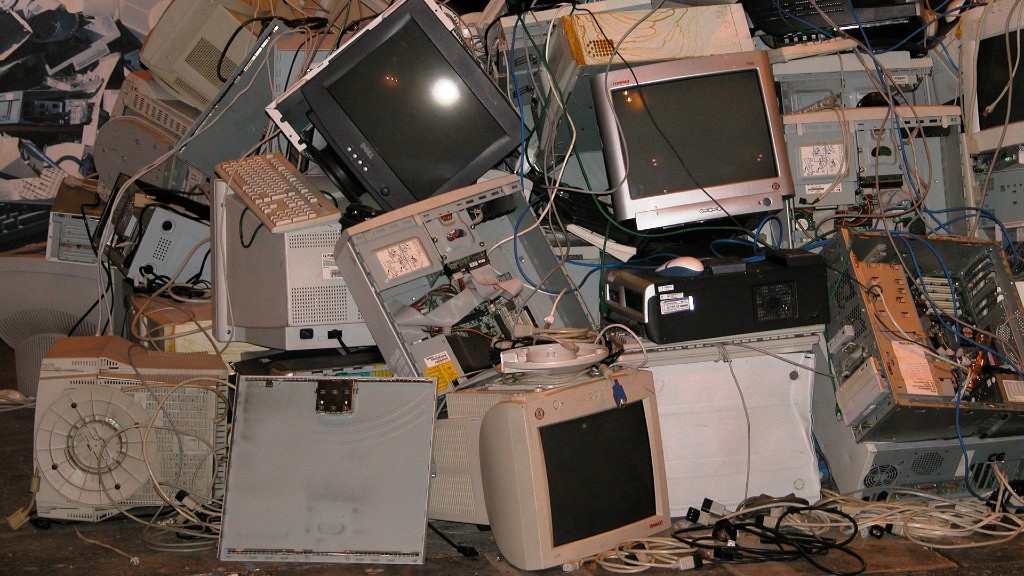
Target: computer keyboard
point(280, 196)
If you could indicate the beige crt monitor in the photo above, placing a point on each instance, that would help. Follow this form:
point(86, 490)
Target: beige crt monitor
point(184, 48)
point(567, 473)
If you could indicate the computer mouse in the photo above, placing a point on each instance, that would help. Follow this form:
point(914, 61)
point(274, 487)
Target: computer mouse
point(681, 267)
point(12, 396)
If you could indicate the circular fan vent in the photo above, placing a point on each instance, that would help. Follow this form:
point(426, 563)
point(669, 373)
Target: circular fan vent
point(89, 445)
point(880, 476)
point(926, 464)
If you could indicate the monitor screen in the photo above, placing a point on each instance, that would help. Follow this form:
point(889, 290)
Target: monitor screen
point(567, 474)
point(993, 71)
point(677, 135)
point(692, 140)
point(406, 111)
point(988, 50)
point(600, 473)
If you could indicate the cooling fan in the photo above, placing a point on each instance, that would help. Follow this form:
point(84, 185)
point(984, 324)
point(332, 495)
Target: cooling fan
point(89, 446)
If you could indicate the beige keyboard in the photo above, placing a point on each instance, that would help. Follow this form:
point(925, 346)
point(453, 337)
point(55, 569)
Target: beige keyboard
point(280, 196)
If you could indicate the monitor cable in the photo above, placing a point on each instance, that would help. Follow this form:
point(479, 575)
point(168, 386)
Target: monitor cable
point(467, 551)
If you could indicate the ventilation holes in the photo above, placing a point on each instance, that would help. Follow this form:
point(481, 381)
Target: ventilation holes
point(927, 463)
point(182, 86)
point(322, 305)
point(204, 56)
point(326, 239)
point(163, 247)
point(881, 476)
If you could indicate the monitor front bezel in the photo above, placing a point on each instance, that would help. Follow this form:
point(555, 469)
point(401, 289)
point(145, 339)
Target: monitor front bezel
point(358, 155)
point(695, 204)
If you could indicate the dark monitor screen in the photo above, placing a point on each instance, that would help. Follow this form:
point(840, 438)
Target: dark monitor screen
point(993, 73)
point(715, 124)
point(406, 110)
point(599, 472)
point(409, 76)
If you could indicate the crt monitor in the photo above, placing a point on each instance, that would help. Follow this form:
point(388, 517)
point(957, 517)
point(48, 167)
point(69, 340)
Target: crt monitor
point(568, 474)
point(993, 112)
point(692, 140)
point(406, 111)
point(280, 291)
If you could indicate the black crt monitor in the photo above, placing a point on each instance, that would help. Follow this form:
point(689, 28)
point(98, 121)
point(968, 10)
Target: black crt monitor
point(693, 140)
point(406, 111)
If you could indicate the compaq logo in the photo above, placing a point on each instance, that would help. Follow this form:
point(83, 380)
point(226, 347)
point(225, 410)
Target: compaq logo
point(713, 209)
point(367, 150)
point(655, 524)
point(621, 82)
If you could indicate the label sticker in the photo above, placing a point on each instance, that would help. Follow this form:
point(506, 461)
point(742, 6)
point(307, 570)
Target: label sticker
point(819, 189)
point(441, 367)
point(913, 365)
point(328, 266)
point(821, 160)
point(672, 303)
point(1014, 390)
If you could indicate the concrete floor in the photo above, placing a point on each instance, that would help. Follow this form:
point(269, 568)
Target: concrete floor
point(59, 550)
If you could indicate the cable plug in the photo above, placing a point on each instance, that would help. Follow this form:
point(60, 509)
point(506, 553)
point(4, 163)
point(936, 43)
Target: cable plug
point(700, 517)
point(724, 531)
point(712, 507)
point(467, 551)
point(691, 562)
point(618, 393)
point(523, 331)
point(18, 519)
point(572, 566)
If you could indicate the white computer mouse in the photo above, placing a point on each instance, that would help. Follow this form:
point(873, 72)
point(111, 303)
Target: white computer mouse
point(681, 267)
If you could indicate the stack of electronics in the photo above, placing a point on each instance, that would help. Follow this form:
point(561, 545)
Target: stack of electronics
point(899, 414)
point(451, 266)
point(375, 214)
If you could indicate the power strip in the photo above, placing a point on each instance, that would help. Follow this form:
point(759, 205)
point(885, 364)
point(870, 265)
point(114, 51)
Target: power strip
point(808, 49)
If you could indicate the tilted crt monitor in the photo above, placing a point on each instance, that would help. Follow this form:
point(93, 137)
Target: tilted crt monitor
point(989, 48)
point(280, 291)
point(406, 111)
point(692, 140)
point(567, 474)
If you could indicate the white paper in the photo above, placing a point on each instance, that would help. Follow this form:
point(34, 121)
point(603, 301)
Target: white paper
point(913, 366)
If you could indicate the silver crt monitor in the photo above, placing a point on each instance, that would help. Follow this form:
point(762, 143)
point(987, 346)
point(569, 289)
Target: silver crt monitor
point(693, 139)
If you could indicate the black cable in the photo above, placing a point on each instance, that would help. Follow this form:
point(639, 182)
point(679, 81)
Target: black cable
point(85, 222)
point(231, 39)
point(467, 551)
point(109, 288)
point(311, 23)
point(781, 544)
point(198, 276)
point(252, 238)
point(82, 318)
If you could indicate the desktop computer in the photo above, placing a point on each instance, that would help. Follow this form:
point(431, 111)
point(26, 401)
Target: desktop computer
point(437, 280)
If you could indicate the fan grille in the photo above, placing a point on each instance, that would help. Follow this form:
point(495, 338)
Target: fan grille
point(881, 476)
